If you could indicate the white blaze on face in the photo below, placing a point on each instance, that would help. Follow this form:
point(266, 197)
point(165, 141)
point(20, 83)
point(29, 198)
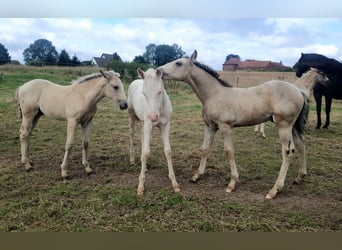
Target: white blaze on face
point(152, 91)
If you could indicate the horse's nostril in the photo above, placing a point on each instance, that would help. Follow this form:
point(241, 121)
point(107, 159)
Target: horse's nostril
point(123, 105)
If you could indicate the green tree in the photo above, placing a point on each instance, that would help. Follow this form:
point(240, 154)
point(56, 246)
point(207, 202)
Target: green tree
point(157, 55)
point(230, 56)
point(4, 56)
point(150, 53)
point(75, 61)
point(116, 57)
point(64, 59)
point(166, 53)
point(139, 59)
point(41, 53)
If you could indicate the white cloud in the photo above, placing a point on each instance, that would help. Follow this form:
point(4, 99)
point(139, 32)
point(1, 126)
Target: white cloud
point(277, 39)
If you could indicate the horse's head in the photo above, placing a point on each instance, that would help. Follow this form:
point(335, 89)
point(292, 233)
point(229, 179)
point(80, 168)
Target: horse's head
point(114, 88)
point(301, 66)
point(153, 89)
point(178, 69)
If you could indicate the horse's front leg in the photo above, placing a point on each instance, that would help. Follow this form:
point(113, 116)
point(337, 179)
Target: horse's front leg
point(145, 152)
point(165, 132)
point(208, 138)
point(328, 102)
point(229, 149)
point(85, 143)
point(132, 121)
point(69, 143)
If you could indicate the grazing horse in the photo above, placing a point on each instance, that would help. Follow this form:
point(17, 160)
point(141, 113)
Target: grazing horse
point(149, 102)
point(75, 103)
point(226, 107)
point(331, 89)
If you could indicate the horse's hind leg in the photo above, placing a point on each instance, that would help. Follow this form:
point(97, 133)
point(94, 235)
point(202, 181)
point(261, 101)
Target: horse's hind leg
point(300, 146)
point(328, 102)
point(287, 149)
point(28, 123)
point(70, 140)
point(85, 143)
point(228, 148)
point(165, 131)
point(208, 138)
point(318, 99)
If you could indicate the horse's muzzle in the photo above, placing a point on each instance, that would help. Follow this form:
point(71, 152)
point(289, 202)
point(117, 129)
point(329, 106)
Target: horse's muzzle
point(123, 105)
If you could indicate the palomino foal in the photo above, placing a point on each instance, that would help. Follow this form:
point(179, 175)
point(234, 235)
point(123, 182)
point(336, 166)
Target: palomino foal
point(149, 102)
point(74, 103)
point(226, 107)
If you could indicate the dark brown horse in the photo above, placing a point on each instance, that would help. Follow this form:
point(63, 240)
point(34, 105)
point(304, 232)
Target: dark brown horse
point(331, 89)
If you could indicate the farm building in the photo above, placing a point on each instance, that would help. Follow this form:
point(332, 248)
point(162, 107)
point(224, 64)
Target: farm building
point(102, 61)
point(235, 64)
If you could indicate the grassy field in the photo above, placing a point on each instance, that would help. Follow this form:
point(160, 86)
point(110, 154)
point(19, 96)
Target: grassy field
point(106, 201)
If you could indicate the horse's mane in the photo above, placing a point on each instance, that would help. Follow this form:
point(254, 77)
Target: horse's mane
point(86, 78)
point(213, 73)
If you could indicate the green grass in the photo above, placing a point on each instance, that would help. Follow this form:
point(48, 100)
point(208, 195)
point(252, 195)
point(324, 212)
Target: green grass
point(107, 201)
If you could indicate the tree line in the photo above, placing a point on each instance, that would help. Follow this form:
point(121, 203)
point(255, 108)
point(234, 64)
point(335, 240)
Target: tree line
point(43, 53)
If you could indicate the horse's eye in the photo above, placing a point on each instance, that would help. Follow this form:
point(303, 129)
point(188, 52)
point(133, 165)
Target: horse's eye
point(116, 87)
point(178, 63)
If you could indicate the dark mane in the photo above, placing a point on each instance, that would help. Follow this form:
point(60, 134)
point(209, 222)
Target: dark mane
point(86, 78)
point(213, 73)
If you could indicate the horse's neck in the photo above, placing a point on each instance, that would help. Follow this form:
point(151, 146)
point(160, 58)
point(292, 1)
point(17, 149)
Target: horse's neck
point(307, 82)
point(92, 90)
point(204, 85)
point(166, 103)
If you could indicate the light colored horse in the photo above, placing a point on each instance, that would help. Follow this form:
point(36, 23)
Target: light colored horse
point(74, 103)
point(226, 107)
point(149, 102)
point(306, 84)
point(259, 129)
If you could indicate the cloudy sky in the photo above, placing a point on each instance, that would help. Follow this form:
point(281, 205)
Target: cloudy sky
point(278, 38)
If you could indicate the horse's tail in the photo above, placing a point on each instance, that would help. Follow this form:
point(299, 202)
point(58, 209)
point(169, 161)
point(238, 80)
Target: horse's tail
point(303, 116)
point(19, 112)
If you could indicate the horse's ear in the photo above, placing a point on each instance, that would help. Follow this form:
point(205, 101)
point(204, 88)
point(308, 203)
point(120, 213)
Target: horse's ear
point(193, 56)
point(141, 73)
point(159, 73)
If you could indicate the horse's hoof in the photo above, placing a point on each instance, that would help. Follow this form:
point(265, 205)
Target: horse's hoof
point(66, 180)
point(271, 195)
point(29, 169)
point(229, 189)
point(89, 171)
point(132, 163)
point(176, 189)
point(140, 192)
point(193, 180)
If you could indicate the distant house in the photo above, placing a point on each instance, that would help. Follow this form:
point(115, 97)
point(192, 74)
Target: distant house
point(235, 64)
point(102, 61)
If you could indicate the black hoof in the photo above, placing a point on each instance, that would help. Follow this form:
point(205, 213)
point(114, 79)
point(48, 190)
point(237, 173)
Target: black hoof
point(192, 180)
